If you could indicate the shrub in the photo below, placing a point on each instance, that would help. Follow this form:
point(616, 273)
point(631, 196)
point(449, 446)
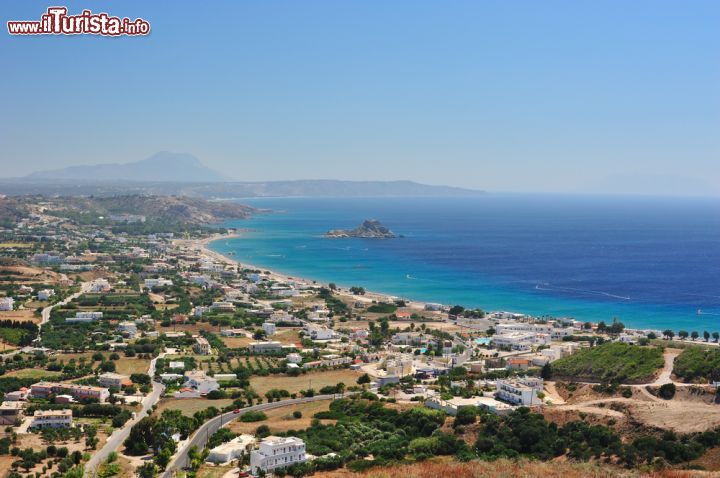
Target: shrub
point(667, 391)
point(253, 416)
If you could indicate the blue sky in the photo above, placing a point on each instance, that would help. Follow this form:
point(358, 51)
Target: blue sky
point(507, 96)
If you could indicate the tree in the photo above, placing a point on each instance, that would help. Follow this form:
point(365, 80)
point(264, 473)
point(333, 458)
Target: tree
point(465, 416)
point(668, 334)
point(694, 335)
point(716, 336)
point(456, 310)
point(616, 327)
point(706, 335)
point(667, 391)
point(147, 470)
point(363, 379)
point(683, 334)
point(546, 371)
point(332, 286)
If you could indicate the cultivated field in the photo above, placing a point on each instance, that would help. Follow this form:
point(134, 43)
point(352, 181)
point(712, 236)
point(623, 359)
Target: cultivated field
point(282, 420)
point(189, 406)
point(315, 380)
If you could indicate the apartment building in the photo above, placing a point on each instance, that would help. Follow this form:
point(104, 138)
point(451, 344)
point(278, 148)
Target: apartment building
point(277, 452)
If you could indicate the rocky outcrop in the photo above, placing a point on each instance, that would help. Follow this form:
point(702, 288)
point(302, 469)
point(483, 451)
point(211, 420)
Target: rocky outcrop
point(369, 229)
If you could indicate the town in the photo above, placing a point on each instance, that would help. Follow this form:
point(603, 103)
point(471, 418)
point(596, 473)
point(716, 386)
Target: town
point(129, 348)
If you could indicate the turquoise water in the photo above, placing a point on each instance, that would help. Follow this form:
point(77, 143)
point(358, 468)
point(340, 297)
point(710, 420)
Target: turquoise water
point(652, 262)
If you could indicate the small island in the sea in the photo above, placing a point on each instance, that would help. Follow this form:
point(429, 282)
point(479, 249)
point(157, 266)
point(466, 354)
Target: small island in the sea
point(369, 229)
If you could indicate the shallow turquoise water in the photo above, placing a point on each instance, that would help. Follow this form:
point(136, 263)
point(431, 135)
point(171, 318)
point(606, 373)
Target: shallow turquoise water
point(652, 262)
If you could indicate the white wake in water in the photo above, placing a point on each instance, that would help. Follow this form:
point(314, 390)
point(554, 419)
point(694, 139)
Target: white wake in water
point(549, 287)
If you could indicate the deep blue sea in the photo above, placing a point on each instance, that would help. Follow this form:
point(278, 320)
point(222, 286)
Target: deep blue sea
point(652, 262)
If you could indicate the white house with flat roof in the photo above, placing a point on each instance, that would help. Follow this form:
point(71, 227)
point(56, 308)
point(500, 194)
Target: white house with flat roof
point(7, 303)
point(43, 419)
point(277, 452)
point(232, 450)
point(269, 328)
point(522, 392)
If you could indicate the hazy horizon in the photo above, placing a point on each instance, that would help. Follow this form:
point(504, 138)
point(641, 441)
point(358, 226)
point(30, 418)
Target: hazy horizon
point(604, 98)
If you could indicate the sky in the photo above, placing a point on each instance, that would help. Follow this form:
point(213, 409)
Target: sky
point(557, 96)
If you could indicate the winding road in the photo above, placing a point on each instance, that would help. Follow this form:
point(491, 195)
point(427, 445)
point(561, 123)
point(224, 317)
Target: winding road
point(207, 429)
point(119, 435)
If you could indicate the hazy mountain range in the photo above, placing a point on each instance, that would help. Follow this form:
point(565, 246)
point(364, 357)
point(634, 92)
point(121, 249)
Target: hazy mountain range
point(184, 175)
point(163, 166)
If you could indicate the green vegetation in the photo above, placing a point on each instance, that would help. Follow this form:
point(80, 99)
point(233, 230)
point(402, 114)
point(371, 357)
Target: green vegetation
point(667, 391)
point(366, 428)
point(382, 308)
point(253, 416)
point(17, 333)
point(698, 363)
point(610, 362)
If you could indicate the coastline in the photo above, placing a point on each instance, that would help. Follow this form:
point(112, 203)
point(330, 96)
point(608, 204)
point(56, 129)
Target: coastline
point(203, 245)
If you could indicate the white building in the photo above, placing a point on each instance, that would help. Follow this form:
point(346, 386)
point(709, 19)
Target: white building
point(84, 317)
point(99, 285)
point(129, 328)
point(199, 381)
point(202, 346)
point(269, 328)
point(223, 306)
point(522, 392)
point(159, 282)
point(232, 450)
point(51, 419)
point(520, 340)
point(277, 452)
point(294, 358)
point(265, 347)
point(7, 303)
point(113, 380)
point(178, 365)
point(45, 294)
point(319, 332)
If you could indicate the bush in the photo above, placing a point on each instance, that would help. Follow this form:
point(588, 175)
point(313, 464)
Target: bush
point(667, 391)
point(253, 416)
point(297, 414)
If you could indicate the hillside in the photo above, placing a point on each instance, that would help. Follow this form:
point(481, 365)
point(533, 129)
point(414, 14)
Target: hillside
point(166, 209)
point(698, 364)
point(610, 362)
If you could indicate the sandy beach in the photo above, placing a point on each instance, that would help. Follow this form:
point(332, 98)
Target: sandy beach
point(203, 245)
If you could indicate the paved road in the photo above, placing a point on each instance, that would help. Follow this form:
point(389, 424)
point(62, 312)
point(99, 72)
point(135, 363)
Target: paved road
point(207, 429)
point(120, 435)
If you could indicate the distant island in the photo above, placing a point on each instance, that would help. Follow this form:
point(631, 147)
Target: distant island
point(369, 229)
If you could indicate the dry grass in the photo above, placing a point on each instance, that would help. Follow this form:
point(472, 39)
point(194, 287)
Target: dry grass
point(315, 380)
point(188, 406)
point(128, 366)
point(36, 373)
point(25, 315)
point(236, 342)
point(440, 468)
point(287, 336)
point(212, 471)
point(282, 420)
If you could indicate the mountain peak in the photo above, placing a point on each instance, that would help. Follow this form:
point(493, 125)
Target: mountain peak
point(162, 166)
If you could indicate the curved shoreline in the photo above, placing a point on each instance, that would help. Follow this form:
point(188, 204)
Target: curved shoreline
point(369, 296)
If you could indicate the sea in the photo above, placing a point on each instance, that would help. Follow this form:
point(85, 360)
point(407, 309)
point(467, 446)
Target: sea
point(651, 262)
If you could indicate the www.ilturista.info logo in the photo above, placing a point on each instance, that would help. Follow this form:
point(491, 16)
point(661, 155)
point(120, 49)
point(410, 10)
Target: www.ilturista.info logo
point(57, 22)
